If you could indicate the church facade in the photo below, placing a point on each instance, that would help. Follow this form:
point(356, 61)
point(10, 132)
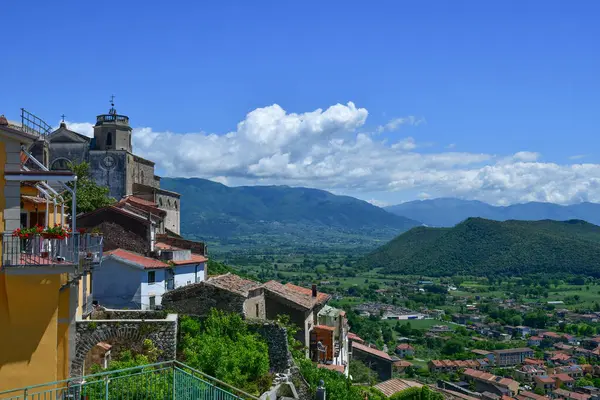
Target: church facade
point(112, 163)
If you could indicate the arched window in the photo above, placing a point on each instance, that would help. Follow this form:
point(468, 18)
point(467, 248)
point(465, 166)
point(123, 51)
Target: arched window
point(60, 164)
point(109, 139)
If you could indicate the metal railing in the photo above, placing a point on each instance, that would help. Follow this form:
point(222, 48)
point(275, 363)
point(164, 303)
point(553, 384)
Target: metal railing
point(112, 118)
point(33, 124)
point(82, 251)
point(169, 380)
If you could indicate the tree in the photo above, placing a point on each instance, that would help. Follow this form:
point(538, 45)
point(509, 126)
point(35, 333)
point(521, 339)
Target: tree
point(222, 346)
point(360, 373)
point(581, 382)
point(90, 196)
point(539, 390)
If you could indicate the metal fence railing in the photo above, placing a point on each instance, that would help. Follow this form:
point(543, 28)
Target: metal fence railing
point(78, 250)
point(169, 380)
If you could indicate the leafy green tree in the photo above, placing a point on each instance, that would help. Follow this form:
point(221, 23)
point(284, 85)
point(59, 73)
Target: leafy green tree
point(539, 390)
point(360, 373)
point(90, 196)
point(222, 346)
point(581, 382)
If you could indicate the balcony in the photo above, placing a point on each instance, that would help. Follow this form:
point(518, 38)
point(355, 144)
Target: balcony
point(79, 251)
point(169, 380)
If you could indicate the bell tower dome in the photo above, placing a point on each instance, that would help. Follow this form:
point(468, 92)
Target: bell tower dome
point(112, 131)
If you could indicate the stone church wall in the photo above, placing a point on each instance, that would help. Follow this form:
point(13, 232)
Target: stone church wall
point(108, 168)
point(71, 152)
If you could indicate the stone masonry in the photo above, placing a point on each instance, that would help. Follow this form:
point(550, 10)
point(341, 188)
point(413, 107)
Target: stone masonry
point(280, 357)
point(130, 328)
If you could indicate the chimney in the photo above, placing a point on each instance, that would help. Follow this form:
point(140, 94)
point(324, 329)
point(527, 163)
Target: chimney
point(314, 290)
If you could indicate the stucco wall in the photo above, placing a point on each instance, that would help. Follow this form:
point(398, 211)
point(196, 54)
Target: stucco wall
point(117, 285)
point(73, 152)
point(186, 274)
point(156, 289)
point(255, 307)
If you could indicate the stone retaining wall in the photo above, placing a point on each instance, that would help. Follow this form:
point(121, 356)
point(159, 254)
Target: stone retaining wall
point(128, 332)
point(276, 338)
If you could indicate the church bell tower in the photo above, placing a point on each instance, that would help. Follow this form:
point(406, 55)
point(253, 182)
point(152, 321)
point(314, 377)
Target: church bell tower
point(112, 131)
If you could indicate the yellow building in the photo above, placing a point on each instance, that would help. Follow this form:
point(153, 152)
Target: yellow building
point(44, 280)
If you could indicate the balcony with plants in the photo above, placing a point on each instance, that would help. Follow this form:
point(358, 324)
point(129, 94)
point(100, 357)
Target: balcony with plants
point(51, 246)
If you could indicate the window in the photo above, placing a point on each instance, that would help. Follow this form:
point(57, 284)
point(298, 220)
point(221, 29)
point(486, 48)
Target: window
point(256, 305)
point(60, 164)
point(151, 277)
point(109, 139)
point(175, 205)
point(152, 302)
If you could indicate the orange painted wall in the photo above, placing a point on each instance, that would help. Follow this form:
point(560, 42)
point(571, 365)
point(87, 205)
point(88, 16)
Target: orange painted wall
point(31, 322)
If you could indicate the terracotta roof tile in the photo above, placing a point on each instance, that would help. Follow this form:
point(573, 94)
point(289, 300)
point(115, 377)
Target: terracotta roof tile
point(195, 259)
point(325, 327)
point(296, 294)
point(393, 386)
point(233, 283)
point(375, 352)
point(404, 346)
point(138, 259)
point(355, 337)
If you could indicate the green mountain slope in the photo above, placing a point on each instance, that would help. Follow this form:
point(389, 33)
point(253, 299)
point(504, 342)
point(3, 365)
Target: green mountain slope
point(281, 216)
point(478, 246)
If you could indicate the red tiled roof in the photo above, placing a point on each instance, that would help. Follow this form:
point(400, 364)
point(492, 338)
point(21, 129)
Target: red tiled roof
point(165, 246)
point(532, 396)
point(140, 201)
point(195, 259)
point(402, 364)
point(375, 352)
point(393, 386)
point(355, 337)
point(560, 356)
point(296, 294)
point(233, 283)
point(562, 377)
point(571, 395)
point(544, 379)
point(325, 327)
point(550, 334)
point(533, 361)
point(404, 346)
point(138, 259)
point(337, 368)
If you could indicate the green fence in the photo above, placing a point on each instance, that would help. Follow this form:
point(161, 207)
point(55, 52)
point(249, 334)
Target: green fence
point(163, 381)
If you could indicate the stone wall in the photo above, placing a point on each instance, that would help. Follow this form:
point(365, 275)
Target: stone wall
point(119, 231)
point(128, 333)
point(280, 357)
point(108, 169)
point(198, 298)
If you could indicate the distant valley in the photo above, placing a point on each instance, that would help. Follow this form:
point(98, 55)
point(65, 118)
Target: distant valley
point(447, 212)
point(281, 218)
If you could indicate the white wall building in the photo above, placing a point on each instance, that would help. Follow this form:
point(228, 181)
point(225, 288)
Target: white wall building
point(129, 280)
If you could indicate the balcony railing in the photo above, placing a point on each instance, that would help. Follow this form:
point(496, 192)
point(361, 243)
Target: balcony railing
point(82, 251)
point(169, 380)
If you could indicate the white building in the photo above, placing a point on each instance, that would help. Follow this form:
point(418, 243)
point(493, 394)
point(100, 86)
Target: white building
point(128, 280)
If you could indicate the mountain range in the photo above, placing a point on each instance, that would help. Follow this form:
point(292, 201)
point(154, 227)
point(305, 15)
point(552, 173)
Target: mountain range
point(447, 212)
point(281, 217)
point(484, 247)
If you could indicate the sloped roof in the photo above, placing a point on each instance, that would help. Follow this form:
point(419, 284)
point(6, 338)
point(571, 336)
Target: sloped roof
point(135, 258)
point(375, 352)
point(233, 283)
point(296, 294)
point(393, 386)
point(194, 259)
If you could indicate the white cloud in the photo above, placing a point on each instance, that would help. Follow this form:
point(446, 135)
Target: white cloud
point(85, 128)
point(578, 157)
point(324, 149)
point(395, 123)
point(378, 203)
point(451, 146)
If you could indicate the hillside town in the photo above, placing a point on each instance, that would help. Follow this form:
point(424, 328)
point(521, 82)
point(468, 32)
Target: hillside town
point(126, 263)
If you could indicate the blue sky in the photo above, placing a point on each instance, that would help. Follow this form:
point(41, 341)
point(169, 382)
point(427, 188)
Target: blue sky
point(470, 78)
